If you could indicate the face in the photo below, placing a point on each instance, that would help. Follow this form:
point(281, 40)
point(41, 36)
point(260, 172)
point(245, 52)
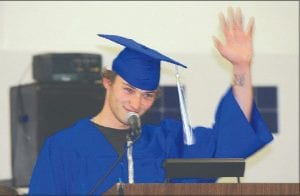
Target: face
point(123, 98)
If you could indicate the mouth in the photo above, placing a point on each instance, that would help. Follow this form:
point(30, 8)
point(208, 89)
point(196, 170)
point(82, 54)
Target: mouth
point(128, 110)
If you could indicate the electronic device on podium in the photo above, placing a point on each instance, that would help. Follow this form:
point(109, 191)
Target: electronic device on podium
point(204, 168)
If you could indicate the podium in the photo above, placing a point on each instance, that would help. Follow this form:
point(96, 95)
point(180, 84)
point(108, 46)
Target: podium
point(205, 189)
point(189, 168)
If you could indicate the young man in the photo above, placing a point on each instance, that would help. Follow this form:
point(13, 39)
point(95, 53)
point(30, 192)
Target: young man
point(74, 160)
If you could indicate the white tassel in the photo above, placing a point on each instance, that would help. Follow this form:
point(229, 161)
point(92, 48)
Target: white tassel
point(188, 136)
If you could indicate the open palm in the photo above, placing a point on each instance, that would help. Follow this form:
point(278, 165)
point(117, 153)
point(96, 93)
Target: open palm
point(238, 43)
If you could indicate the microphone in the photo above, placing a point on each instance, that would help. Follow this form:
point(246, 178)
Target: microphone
point(134, 133)
point(135, 125)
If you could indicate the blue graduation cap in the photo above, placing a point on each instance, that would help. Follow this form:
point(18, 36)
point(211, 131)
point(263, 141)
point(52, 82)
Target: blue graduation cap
point(137, 64)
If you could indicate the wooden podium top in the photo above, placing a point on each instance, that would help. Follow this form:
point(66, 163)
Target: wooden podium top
point(207, 189)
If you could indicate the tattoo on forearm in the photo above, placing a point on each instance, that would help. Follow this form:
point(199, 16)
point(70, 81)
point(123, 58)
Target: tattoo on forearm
point(239, 79)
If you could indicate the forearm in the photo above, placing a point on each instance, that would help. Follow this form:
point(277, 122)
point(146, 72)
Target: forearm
point(242, 89)
point(238, 50)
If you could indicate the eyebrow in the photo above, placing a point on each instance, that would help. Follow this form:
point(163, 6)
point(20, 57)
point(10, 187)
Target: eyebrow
point(144, 91)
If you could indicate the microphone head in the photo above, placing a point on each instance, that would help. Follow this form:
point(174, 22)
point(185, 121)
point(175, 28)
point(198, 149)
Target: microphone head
point(135, 125)
point(132, 114)
point(132, 117)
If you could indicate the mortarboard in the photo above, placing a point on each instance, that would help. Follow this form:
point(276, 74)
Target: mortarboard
point(137, 64)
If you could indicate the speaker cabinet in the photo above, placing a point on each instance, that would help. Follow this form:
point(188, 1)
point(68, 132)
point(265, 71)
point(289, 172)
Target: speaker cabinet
point(39, 110)
point(75, 67)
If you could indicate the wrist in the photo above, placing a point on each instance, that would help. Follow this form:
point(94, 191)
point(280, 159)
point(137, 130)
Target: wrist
point(241, 69)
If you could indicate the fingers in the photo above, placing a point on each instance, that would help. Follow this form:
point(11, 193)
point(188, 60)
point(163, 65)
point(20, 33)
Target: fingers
point(222, 21)
point(250, 27)
point(230, 20)
point(218, 44)
point(224, 25)
point(234, 22)
point(220, 47)
point(239, 18)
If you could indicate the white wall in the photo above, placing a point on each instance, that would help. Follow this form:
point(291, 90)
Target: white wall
point(182, 30)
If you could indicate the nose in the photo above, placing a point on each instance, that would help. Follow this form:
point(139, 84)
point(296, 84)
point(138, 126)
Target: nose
point(136, 102)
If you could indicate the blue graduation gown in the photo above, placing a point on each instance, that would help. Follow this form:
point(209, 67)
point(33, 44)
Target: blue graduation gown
point(74, 159)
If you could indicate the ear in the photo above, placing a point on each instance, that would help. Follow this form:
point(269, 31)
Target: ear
point(106, 83)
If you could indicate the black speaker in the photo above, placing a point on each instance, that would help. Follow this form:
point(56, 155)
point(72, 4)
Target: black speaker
point(39, 110)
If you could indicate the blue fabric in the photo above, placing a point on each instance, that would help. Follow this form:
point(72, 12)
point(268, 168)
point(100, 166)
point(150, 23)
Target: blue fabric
point(137, 64)
point(72, 160)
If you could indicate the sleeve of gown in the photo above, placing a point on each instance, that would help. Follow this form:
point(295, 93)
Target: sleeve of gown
point(232, 135)
point(235, 135)
point(43, 180)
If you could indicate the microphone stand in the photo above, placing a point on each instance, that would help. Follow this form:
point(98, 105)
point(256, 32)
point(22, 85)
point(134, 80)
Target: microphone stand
point(131, 139)
point(130, 161)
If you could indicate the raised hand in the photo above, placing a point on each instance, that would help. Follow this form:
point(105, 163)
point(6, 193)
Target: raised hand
point(238, 43)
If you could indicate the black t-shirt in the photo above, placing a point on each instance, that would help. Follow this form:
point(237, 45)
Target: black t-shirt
point(117, 137)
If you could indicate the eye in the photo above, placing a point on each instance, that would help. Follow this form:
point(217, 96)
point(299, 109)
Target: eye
point(128, 90)
point(149, 96)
